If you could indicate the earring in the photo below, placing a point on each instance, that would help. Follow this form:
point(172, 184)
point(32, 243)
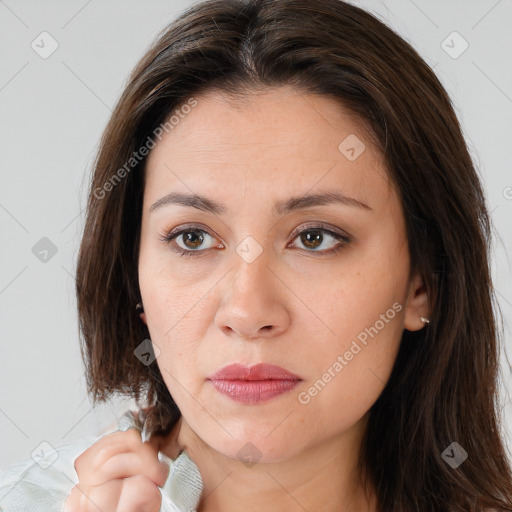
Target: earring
point(424, 320)
point(139, 308)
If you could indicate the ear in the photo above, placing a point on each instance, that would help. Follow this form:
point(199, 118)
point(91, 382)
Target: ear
point(416, 305)
point(143, 318)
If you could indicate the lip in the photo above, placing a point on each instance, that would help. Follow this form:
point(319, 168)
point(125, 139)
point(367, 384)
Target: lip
point(261, 371)
point(254, 384)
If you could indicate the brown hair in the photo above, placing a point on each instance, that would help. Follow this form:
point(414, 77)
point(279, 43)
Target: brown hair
point(443, 387)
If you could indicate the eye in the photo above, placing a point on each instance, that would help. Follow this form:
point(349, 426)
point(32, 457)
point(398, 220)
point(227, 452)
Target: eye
point(313, 237)
point(188, 241)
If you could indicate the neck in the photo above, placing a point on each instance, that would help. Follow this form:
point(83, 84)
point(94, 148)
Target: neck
point(323, 477)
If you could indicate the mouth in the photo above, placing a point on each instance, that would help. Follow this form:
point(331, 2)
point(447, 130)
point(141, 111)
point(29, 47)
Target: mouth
point(254, 384)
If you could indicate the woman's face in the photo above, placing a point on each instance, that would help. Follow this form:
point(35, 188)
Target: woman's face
point(318, 288)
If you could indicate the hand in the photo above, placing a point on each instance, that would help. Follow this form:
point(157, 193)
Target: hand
point(118, 473)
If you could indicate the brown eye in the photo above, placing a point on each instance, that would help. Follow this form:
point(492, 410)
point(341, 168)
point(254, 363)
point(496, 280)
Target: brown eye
point(192, 239)
point(189, 241)
point(314, 237)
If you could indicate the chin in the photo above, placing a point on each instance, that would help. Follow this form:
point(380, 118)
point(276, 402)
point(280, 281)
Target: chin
point(256, 448)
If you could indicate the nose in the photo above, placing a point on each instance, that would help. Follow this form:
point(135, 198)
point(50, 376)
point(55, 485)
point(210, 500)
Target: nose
point(254, 301)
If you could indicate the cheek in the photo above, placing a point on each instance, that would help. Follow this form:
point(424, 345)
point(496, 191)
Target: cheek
point(175, 330)
point(348, 377)
point(360, 297)
point(173, 288)
point(349, 366)
point(178, 366)
point(173, 305)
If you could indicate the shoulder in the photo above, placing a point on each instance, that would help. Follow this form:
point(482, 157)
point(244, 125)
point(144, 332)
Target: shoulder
point(43, 480)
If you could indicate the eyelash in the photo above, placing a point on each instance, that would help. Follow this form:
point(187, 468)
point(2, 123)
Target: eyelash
point(170, 236)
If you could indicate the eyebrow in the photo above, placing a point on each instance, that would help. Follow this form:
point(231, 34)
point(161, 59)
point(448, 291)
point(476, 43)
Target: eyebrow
point(280, 208)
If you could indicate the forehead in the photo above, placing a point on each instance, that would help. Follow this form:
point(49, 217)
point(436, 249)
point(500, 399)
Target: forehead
point(279, 139)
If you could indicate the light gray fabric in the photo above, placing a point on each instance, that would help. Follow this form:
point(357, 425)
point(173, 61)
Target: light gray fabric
point(42, 484)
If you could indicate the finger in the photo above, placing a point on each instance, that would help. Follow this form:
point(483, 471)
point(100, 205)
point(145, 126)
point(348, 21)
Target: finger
point(126, 465)
point(94, 499)
point(139, 494)
point(156, 444)
point(108, 446)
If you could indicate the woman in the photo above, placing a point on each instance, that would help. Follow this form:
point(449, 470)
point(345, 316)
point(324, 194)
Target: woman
point(285, 261)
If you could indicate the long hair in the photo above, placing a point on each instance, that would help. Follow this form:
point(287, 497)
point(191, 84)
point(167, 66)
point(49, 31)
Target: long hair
point(443, 386)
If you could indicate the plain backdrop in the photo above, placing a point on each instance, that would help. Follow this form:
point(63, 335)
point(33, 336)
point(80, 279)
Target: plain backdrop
point(53, 110)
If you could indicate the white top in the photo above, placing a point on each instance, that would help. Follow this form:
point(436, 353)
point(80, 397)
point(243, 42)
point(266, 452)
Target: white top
point(42, 482)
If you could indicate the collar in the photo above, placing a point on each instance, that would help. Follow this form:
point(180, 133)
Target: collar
point(184, 485)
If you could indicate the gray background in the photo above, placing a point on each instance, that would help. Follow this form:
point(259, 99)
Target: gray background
point(53, 112)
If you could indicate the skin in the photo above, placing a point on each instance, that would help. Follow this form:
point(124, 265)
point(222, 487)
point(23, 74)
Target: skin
point(212, 309)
